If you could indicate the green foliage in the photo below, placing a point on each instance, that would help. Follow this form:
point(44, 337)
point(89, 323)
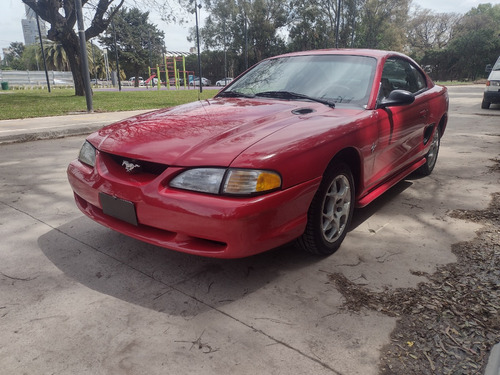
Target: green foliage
point(239, 33)
point(475, 42)
point(56, 57)
point(382, 24)
point(248, 31)
point(13, 58)
point(478, 35)
point(429, 31)
point(25, 104)
point(62, 17)
point(139, 42)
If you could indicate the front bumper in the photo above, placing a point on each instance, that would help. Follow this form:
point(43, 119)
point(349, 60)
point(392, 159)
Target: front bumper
point(492, 96)
point(201, 224)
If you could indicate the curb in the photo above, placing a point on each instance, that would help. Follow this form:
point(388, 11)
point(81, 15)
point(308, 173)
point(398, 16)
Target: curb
point(50, 134)
point(52, 127)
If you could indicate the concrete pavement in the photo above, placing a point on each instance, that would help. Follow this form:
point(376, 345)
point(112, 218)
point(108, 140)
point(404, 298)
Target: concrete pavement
point(78, 298)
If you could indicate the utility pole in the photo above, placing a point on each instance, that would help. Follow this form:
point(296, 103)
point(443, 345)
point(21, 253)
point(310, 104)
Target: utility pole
point(84, 57)
point(43, 53)
point(149, 46)
point(196, 6)
point(116, 57)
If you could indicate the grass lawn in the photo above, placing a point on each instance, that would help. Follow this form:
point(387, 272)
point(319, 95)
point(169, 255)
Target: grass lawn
point(39, 103)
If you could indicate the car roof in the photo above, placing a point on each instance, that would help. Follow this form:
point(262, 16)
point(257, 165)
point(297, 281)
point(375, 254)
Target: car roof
point(378, 54)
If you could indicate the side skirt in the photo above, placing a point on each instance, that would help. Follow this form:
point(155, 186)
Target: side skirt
point(380, 189)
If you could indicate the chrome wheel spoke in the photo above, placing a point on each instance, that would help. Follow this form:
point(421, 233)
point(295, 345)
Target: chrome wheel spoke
point(432, 155)
point(336, 208)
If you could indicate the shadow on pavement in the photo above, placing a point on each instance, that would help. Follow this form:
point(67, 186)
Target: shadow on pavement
point(160, 279)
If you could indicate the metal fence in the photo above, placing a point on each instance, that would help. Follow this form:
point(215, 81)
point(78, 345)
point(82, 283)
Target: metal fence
point(30, 77)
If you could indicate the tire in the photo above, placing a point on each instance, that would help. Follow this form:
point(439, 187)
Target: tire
point(485, 104)
point(432, 155)
point(330, 213)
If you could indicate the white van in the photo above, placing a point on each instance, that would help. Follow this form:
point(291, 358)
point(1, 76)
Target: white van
point(492, 90)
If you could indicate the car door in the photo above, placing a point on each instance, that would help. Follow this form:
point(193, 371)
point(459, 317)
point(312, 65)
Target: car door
point(401, 128)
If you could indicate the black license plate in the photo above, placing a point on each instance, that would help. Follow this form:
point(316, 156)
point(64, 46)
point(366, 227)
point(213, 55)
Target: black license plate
point(118, 208)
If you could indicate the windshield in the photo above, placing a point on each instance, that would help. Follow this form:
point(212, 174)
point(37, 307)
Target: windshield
point(497, 65)
point(339, 79)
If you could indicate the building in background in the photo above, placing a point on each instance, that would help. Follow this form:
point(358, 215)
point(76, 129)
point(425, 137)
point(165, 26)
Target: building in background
point(30, 29)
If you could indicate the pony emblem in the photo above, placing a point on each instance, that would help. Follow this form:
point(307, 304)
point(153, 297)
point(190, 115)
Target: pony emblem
point(131, 167)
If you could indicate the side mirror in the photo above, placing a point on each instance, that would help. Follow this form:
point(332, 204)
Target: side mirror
point(397, 98)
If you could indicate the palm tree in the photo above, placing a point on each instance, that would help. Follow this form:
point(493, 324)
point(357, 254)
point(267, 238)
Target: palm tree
point(56, 56)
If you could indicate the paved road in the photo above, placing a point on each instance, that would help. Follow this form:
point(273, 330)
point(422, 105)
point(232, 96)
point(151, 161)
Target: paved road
point(77, 298)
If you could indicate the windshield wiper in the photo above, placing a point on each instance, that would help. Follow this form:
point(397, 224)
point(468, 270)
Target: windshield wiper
point(234, 94)
point(294, 95)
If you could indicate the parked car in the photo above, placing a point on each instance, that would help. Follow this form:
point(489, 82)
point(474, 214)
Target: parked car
point(224, 81)
point(284, 153)
point(492, 91)
point(171, 81)
point(196, 81)
point(132, 81)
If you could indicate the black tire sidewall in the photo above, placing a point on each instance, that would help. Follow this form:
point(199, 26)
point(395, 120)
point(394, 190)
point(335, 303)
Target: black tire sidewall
point(427, 169)
point(316, 210)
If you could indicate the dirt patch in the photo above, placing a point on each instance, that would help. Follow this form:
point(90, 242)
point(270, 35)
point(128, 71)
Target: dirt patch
point(448, 324)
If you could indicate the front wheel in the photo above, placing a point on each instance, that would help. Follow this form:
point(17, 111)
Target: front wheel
point(432, 155)
point(330, 212)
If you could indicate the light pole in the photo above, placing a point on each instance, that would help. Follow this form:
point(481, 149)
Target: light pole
point(225, 54)
point(43, 53)
point(116, 57)
point(196, 6)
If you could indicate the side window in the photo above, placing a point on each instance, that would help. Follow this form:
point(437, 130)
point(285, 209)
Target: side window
point(400, 74)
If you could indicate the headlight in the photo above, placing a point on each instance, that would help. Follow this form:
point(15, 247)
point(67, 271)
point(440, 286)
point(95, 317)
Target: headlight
point(87, 154)
point(206, 180)
point(230, 181)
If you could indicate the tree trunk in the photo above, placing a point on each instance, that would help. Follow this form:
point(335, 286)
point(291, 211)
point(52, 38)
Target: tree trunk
point(72, 48)
point(137, 72)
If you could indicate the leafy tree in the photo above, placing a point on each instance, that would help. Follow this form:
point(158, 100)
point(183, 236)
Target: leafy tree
point(473, 42)
point(31, 59)
point(13, 57)
point(476, 41)
point(61, 15)
point(429, 31)
point(138, 41)
point(249, 30)
point(382, 24)
point(309, 29)
point(314, 23)
point(97, 63)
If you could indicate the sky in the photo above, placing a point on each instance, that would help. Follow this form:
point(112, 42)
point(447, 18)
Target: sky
point(175, 35)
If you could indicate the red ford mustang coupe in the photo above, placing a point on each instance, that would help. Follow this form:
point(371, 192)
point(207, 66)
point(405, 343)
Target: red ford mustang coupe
point(285, 152)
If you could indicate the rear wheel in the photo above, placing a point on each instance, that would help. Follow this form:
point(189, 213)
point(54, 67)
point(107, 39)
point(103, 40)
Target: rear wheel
point(330, 212)
point(432, 155)
point(485, 104)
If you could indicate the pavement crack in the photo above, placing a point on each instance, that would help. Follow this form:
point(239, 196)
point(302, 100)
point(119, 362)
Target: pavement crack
point(173, 287)
point(17, 278)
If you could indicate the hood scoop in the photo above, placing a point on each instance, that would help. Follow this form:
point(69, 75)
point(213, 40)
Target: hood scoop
point(302, 111)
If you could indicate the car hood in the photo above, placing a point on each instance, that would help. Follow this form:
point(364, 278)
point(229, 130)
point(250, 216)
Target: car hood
point(212, 132)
